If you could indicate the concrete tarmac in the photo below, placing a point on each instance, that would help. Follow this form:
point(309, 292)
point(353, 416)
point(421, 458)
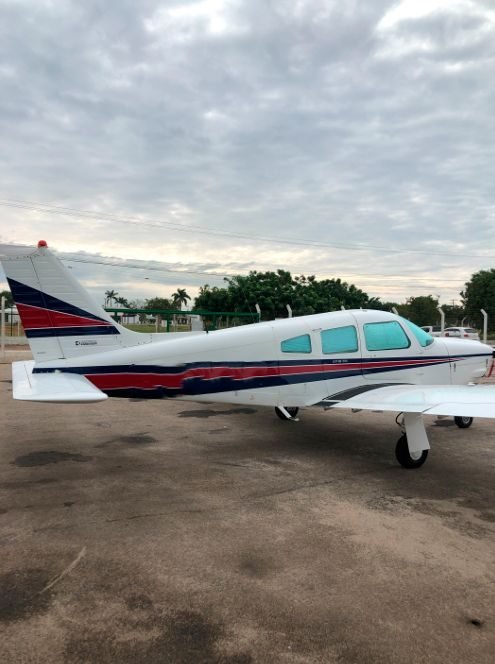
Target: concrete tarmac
point(164, 531)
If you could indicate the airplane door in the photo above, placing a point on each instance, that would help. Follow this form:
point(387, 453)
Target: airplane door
point(340, 354)
point(392, 353)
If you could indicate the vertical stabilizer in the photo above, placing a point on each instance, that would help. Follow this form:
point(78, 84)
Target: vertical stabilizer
point(60, 318)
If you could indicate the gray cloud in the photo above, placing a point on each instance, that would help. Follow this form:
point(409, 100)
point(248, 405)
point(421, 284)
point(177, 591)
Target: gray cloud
point(313, 120)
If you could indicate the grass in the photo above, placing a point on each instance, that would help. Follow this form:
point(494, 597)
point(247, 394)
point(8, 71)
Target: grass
point(136, 327)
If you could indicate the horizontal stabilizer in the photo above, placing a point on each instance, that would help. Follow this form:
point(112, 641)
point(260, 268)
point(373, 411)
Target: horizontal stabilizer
point(449, 400)
point(52, 387)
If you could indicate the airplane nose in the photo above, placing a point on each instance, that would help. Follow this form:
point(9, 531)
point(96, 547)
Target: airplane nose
point(470, 360)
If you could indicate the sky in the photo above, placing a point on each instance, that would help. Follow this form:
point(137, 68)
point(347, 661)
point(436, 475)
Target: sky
point(193, 139)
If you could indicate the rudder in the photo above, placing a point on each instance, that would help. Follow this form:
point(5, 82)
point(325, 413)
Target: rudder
point(60, 318)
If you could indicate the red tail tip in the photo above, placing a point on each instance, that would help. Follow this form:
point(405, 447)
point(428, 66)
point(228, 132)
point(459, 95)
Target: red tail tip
point(42, 243)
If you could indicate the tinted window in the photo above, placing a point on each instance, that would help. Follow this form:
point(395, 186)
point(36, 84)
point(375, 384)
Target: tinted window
point(300, 344)
point(423, 337)
point(385, 336)
point(339, 340)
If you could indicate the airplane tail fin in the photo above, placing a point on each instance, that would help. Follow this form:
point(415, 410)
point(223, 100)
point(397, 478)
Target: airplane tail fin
point(60, 318)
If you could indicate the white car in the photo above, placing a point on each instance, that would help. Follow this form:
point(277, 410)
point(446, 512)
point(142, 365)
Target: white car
point(433, 330)
point(461, 332)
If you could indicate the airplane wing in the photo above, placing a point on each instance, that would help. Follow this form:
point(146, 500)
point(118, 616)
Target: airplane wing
point(453, 400)
point(52, 387)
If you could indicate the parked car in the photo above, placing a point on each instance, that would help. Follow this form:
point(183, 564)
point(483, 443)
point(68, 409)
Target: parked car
point(433, 330)
point(461, 332)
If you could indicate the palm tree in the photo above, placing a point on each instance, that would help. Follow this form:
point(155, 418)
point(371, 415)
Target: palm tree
point(124, 304)
point(110, 296)
point(180, 297)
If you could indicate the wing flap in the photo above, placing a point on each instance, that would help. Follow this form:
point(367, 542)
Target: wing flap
point(52, 387)
point(453, 400)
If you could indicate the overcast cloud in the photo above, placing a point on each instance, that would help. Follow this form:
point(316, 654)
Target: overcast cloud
point(332, 124)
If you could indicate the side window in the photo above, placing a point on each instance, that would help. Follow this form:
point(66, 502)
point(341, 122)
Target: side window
point(300, 344)
point(339, 340)
point(423, 337)
point(385, 336)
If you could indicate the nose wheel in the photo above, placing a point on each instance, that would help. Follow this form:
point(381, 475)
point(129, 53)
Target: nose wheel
point(406, 458)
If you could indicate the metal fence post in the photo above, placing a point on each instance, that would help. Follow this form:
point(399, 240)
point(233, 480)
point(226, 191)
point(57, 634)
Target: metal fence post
point(2, 326)
point(485, 325)
point(442, 318)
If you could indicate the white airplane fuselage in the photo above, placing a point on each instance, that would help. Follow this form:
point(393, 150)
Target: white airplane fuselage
point(251, 364)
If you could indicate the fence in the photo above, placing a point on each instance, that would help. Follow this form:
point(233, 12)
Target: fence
point(140, 320)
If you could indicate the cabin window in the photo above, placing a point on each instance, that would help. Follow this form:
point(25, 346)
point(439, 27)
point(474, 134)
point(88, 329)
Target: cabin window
point(301, 344)
point(385, 336)
point(339, 340)
point(421, 335)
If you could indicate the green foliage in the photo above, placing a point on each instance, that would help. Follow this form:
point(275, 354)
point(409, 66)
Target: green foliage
point(272, 291)
point(122, 302)
point(158, 303)
point(180, 297)
point(454, 314)
point(421, 310)
point(479, 293)
point(110, 297)
point(9, 300)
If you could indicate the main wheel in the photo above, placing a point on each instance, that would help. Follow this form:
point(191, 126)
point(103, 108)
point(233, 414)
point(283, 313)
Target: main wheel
point(291, 410)
point(463, 422)
point(406, 458)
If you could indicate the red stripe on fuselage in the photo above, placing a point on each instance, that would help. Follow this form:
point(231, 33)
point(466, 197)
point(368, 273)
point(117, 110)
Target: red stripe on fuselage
point(151, 380)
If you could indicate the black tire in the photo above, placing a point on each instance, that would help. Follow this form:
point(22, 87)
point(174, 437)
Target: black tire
point(291, 410)
point(405, 458)
point(463, 422)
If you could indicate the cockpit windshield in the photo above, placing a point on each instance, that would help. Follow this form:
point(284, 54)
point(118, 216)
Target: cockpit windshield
point(423, 337)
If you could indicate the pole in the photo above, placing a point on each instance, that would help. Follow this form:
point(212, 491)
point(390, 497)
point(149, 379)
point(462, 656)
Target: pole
point(442, 318)
point(2, 326)
point(485, 325)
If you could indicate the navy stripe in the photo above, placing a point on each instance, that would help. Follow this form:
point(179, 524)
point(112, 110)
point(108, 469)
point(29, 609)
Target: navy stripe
point(82, 331)
point(24, 294)
point(158, 369)
point(197, 385)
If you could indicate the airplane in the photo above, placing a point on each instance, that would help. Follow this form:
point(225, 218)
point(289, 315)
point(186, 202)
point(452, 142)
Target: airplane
point(352, 359)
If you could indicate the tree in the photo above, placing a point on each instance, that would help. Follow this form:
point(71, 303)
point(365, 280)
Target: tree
point(9, 300)
point(479, 293)
point(214, 299)
point(110, 296)
point(272, 291)
point(123, 303)
point(180, 297)
point(421, 310)
point(158, 303)
point(454, 314)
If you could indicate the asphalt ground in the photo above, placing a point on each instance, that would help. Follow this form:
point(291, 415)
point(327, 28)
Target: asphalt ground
point(164, 531)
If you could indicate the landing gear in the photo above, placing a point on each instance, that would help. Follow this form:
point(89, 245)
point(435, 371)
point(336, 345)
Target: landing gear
point(292, 411)
point(406, 458)
point(463, 422)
